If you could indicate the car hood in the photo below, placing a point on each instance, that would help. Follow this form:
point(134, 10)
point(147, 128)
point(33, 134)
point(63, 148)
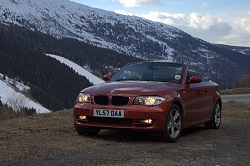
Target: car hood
point(130, 87)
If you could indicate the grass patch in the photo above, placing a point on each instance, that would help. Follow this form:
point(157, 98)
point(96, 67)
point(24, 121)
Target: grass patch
point(236, 110)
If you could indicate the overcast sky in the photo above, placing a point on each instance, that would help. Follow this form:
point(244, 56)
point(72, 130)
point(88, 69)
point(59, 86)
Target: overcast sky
point(216, 21)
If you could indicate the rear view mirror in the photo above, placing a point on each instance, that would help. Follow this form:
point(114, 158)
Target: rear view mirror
point(106, 77)
point(194, 79)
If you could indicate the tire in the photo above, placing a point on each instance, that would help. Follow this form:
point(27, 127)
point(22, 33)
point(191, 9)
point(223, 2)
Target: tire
point(215, 121)
point(87, 131)
point(173, 127)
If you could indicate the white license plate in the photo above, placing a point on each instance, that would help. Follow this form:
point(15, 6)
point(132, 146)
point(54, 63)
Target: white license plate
point(109, 113)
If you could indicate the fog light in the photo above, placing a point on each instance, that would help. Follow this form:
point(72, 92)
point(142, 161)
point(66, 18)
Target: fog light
point(81, 117)
point(146, 121)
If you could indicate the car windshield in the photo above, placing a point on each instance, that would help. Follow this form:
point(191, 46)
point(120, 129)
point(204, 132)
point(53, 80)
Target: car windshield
point(150, 71)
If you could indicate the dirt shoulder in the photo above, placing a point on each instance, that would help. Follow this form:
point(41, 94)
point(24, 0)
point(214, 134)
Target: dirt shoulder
point(50, 139)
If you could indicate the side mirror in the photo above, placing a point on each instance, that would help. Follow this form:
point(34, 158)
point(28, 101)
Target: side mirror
point(194, 79)
point(106, 77)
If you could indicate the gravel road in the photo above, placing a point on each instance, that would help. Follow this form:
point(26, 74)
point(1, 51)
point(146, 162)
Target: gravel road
point(241, 98)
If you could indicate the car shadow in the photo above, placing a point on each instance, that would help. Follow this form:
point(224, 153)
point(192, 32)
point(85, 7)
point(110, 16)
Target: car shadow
point(192, 130)
point(127, 136)
point(135, 136)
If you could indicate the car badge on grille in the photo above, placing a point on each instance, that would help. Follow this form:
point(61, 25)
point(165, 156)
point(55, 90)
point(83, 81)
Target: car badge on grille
point(112, 91)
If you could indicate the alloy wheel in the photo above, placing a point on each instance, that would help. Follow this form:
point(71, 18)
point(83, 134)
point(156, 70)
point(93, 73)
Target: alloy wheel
point(174, 123)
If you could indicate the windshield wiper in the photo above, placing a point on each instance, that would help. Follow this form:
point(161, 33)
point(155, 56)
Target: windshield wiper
point(129, 79)
point(120, 80)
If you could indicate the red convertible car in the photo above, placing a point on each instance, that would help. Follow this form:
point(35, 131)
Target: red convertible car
point(149, 96)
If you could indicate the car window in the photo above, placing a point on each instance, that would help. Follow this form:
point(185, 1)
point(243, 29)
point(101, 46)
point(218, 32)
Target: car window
point(151, 71)
point(191, 73)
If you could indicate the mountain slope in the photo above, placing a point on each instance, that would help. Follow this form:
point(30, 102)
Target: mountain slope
point(131, 35)
point(128, 35)
point(78, 69)
point(10, 96)
point(52, 84)
point(243, 50)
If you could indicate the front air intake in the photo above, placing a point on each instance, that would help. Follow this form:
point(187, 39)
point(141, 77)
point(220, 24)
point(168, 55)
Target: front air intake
point(101, 100)
point(120, 100)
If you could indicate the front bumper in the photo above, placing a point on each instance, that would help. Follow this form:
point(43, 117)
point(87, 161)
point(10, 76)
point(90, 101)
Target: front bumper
point(136, 117)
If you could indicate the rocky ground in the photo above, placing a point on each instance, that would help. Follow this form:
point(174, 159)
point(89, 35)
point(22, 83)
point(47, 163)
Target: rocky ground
point(50, 139)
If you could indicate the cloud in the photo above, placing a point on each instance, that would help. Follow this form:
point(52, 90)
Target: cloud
point(211, 29)
point(138, 3)
point(199, 22)
point(220, 29)
point(167, 18)
point(236, 40)
point(123, 12)
point(209, 24)
point(243, 24)
point(206, 27)
point(240, 34)
point(192, 21)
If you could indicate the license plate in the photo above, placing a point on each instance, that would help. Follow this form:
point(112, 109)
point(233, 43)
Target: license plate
point(109, 113)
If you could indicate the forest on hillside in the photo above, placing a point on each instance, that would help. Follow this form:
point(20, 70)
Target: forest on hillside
point(79, 52)
point(52, 84)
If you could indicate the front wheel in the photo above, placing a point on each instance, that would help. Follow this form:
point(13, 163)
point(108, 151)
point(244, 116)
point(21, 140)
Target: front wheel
point(173, 126)
point(87, 131)
point(215, 121)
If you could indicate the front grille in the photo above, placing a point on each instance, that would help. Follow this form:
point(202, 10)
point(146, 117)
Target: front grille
point(116, 100)
point(101, 100)
point(110, 121)
point(120, 100)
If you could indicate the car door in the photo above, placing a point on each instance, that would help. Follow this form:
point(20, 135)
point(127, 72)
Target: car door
point(197, 103)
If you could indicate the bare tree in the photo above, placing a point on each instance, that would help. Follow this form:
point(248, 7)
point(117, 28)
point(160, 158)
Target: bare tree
point(17, 101)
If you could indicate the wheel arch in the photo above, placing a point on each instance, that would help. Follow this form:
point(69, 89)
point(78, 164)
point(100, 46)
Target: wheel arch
point(178, 103)
point(219, 101)
point(167, 135)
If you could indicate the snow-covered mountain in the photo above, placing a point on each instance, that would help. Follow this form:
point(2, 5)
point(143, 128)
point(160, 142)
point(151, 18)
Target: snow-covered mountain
point(126, 34)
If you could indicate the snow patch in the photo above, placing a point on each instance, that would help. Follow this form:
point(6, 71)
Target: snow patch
point(78, 69)
point(8, 94)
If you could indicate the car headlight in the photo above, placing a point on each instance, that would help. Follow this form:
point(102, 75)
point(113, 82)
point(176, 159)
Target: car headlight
point(83, 98)
point(149, 100)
